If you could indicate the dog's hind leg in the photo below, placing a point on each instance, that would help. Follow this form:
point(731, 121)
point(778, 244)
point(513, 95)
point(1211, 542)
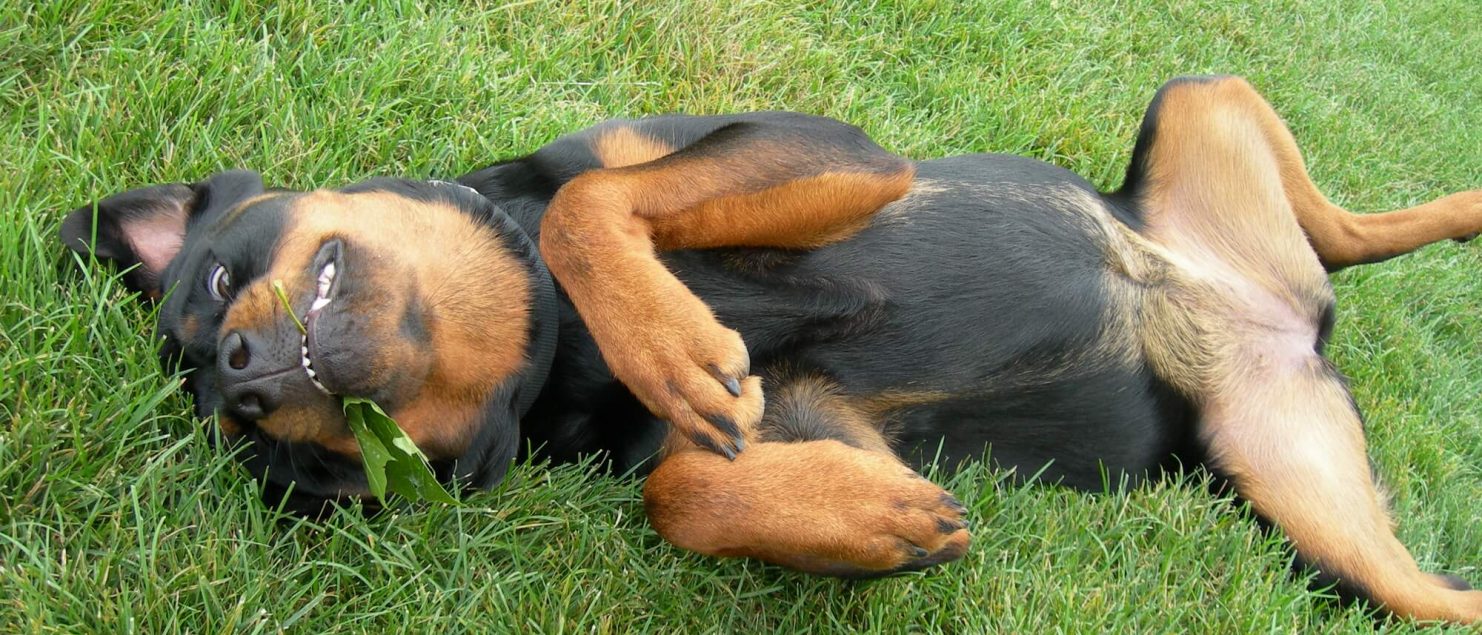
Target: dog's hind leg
point(820, 491)
point(1236, 327)
point(1340, 238)
point(1291, 442)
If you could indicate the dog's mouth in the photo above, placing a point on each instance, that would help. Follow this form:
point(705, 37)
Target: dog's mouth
point(325, 294)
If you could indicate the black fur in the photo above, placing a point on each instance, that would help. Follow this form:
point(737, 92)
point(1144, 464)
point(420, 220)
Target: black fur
point(980, 314)
point(981, 294)
point(980, 289)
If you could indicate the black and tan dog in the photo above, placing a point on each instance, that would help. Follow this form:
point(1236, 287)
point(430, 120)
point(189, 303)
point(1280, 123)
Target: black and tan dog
point(894, 312)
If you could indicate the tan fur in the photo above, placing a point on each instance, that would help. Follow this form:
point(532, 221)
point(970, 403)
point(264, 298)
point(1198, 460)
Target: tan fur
point(319, 421)
point(1294, 448)
point(474, 294)
point(885, 407)
point(229, 426)
point(806, 213)
point(1227, 294)
point(245, 205)
point(255, 308)
point(622, 146)
point(1339, 237)
point(190, 327)
point(818, 506)
point(656, 336)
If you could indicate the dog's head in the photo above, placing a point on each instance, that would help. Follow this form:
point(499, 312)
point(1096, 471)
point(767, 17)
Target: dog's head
point(421, 296)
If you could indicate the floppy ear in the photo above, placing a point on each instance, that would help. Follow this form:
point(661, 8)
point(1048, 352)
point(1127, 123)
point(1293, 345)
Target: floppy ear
point(146, 227)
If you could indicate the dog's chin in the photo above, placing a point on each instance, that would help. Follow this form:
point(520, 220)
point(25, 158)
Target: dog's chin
point(311, 479)
point(303, 479)
point(292, 499)
point(318, 490)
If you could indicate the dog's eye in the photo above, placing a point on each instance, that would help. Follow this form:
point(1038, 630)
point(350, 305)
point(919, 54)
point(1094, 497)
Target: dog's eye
point(219, 283)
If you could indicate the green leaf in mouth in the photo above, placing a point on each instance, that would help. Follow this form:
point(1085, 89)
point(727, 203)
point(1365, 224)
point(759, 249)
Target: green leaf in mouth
point(392, 461)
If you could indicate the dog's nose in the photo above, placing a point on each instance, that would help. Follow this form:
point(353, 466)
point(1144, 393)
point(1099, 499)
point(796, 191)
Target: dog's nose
point(250, 385)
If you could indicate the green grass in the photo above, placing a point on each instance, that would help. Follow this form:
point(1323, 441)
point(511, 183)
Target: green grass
point(116, 516)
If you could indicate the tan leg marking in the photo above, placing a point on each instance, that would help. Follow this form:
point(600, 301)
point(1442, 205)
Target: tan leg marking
point(1294, 447)
point(1342, 238)
point(601, 232)
point(817, 506)
point(802, 214)
point(1232, 324)
point(622, 146)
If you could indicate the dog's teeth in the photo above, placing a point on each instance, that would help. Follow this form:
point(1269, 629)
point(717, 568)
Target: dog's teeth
point(326, 277)
point(320, 386)
point(318, 304)
point(309, 363)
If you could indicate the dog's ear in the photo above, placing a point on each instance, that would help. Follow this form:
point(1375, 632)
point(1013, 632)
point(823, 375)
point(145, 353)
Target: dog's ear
point(142, 230)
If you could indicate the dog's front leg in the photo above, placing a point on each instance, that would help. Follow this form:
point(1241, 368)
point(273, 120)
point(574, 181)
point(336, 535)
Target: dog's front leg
point(817, 506)
point(771, 180)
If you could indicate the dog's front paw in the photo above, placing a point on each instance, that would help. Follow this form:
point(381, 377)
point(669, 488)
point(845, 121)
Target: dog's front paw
point(686, 368)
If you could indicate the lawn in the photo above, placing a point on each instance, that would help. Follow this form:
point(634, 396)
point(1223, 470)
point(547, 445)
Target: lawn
point(116, 516)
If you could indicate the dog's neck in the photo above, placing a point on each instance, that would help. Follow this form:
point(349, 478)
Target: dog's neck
point(574, 394)
point(545, 309)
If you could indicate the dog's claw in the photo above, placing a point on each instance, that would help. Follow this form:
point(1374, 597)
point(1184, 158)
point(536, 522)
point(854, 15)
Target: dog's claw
point(725, 425)
point(728, 448)
point(731, 382)
point(952, 502)
point(948, 526)
point(733, 442)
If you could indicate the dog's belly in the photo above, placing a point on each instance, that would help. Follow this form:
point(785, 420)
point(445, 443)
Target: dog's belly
point(981, 313)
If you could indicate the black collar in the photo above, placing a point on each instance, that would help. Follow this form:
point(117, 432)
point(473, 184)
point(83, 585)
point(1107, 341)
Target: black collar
point(545, 322)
